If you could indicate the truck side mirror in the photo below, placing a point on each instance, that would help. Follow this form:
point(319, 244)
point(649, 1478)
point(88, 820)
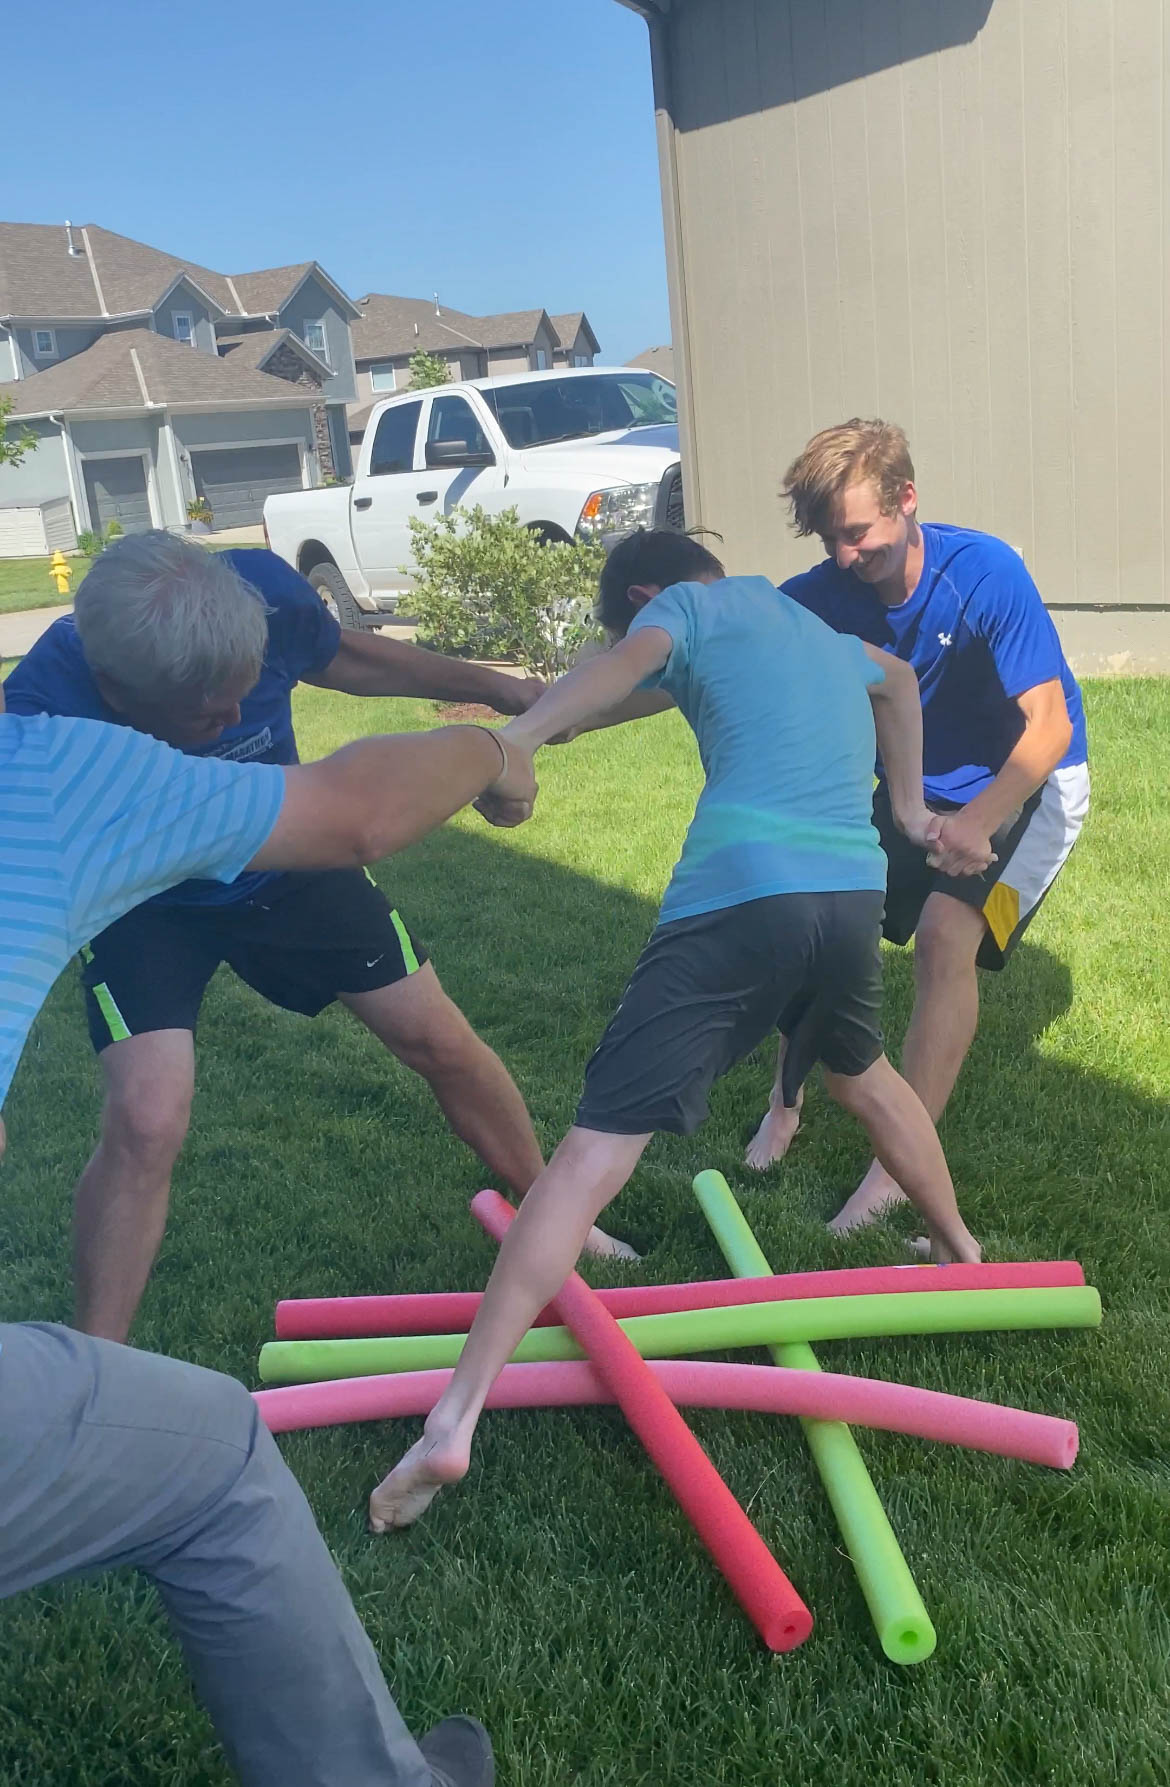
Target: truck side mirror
point(447, 455)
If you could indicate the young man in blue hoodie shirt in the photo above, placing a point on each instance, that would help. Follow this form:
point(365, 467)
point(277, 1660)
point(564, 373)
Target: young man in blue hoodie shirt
point(1004, 749)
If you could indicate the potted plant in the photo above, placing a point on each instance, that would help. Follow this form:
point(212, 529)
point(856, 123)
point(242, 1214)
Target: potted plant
point(199, 515)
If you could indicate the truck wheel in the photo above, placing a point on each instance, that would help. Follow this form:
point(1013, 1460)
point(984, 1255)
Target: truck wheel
point(335, 592)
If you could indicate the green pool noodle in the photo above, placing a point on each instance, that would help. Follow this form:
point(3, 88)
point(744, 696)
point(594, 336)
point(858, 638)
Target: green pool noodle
point(705, 1330)
point(899, 1614)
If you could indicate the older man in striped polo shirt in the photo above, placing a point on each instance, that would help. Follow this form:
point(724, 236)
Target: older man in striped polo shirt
point(112, 1456)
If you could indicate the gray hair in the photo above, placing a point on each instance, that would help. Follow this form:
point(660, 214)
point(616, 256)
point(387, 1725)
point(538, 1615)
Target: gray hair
point(159, 616)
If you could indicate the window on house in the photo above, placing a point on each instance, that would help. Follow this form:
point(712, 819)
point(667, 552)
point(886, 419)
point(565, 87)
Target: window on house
point(393, 449)
point(184, 324)
point(315, 340)
point(381, 378)
point(581, 360)
point(541, 360)
point(44, 344)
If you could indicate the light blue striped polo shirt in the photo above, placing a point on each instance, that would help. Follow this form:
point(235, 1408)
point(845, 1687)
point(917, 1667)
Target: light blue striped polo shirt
point(94, 819)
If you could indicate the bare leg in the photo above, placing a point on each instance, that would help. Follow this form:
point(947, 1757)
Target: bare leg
point(426, 1030)
point(773, 1138)
point(120, 1206)
point(906, 1143)
point(535, 1258)
point(941, 1030)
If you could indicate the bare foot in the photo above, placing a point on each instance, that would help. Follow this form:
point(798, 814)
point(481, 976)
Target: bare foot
point(936, 1250)
point(431, 1464)
point(607, 1247)
point(773, 1138)
point(876, 1195)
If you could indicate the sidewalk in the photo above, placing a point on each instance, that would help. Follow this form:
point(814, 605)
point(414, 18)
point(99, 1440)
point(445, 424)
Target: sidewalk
point(19, 632)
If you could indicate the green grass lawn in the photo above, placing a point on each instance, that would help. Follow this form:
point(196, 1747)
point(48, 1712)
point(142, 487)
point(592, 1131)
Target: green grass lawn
point(26, 583)
point(559, 1593)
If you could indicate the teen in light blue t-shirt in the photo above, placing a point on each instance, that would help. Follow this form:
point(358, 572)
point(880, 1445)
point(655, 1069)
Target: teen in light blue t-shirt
point(779, 707)
point(772, 918)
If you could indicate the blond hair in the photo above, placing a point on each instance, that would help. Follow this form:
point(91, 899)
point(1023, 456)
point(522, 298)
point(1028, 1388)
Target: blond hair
point(844, 455)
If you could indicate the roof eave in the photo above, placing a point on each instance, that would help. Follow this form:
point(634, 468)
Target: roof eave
point(72, 322)
point(245, 403)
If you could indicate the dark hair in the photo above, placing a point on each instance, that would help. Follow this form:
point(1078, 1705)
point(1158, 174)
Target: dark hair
point(659, 556)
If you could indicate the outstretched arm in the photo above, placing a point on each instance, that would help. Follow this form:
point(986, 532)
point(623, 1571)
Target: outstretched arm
point(380, 794)
point(593, 690)
point(367, 664)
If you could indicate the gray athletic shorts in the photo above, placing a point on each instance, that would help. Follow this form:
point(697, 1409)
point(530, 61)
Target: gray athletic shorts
point(708, 989)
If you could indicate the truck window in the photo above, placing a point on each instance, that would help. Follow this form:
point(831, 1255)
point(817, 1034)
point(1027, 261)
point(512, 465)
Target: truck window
point(393, 449)
point(453, 419)
point(535, 412)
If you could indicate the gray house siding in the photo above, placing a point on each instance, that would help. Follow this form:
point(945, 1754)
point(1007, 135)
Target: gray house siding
point(184, 299)
point(230, 428)
point(43, 474)
point(313, 304)
point(69, 342)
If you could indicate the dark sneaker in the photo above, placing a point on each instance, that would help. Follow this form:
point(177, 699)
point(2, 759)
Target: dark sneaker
point(459, 1752)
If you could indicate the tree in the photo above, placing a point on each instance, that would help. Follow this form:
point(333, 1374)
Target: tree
point(14, 447)
point(427, 370)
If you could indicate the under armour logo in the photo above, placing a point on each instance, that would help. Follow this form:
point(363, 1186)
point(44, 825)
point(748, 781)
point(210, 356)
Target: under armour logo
point(944, 638)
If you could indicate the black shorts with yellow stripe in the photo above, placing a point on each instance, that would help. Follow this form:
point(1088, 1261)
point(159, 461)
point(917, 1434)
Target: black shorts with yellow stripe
point(1031, 848)
point(302, 941)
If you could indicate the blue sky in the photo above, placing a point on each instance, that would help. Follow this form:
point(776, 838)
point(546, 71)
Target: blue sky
point(501, 154)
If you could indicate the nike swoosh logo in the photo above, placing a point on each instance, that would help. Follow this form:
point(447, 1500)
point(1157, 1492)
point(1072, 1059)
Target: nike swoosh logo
point(375, 961)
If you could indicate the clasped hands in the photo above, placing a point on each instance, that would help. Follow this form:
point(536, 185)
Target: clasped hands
point(957, 843)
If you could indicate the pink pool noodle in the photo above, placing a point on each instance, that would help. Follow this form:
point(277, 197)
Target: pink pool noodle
point(752, 1573)
point(697, 1383)
point(452, 1312)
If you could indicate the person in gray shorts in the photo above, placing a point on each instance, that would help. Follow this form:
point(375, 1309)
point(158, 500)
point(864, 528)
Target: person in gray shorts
point(772, 917)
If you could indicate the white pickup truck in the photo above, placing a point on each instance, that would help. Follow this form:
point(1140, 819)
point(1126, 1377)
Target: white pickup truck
point(589, 453)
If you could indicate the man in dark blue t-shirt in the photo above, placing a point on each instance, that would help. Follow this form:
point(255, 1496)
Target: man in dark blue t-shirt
point(1004, 751)
point(203, 651)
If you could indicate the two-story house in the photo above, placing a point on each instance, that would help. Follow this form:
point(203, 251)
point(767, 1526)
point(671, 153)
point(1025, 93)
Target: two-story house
point(389, 330)
point(151, 382)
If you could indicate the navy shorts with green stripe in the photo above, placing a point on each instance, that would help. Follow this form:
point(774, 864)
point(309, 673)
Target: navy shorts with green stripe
point(306, 939)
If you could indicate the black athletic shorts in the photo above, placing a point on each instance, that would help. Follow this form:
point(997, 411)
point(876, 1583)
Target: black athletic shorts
point(708, 989)
point(1031, 848)
point(302, 941)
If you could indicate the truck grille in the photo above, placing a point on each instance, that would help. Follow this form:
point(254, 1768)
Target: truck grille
point(670, 501)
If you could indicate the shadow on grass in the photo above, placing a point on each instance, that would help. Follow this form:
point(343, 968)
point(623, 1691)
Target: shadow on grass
point(306, 1134)
point(315, 1165)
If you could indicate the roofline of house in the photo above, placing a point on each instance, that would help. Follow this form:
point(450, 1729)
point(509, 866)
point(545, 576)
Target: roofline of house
point(72, 322)
point(182, 278)
point(649, 9)
point(120, 412)
point(313, 269)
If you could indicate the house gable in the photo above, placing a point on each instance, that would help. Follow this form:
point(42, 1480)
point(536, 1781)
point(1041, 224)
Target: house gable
point(313, 302)
point(184, 299)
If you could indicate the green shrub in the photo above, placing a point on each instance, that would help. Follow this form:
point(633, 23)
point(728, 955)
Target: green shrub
point(486, 586)
point(90, 542)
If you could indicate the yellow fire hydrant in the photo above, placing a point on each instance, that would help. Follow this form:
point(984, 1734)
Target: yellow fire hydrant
point(61, 571)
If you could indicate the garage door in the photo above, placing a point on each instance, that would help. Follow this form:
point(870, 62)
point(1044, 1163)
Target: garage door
point(116, 491)
point(235, 480)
